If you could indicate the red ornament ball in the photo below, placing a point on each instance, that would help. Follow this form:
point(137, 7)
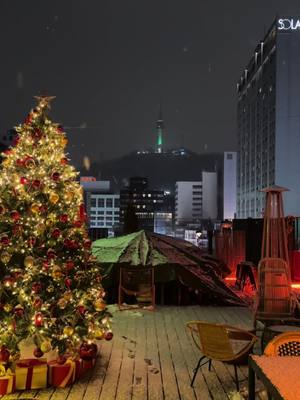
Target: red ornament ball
point(63, 218)
point(37, 352)
point(87, 244)
point(108, 335)
point(15, 215)
point(43, 208)
point(19, 311)
point(55, 176)
point(37, 302)
point(23, 180)
point(51, 255)
point(4, 354)
point(36, 287)
point(31, 241)
point(17, 229)
point(4, 240)
point(36, 183)
point(88, 351)
point(60, 129)
point(68, 282)
point(28, 119)
point(37, 134)
point(19, 162)
point(46, 265)
point(55, 233)
point(29, 161)
point(78, 223)
point(69, 265)
point(81, 309)
point(8, 281)
point(64, 161)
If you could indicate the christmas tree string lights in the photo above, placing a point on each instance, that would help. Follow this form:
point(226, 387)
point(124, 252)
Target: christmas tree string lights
point(50, 285)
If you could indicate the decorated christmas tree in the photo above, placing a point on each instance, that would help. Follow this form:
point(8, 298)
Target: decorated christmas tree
point(50, 285)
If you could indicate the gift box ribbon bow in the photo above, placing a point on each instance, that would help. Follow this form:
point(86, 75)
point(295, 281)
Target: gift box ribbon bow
point(70, 374)
point(7, 375)
point(30, 364)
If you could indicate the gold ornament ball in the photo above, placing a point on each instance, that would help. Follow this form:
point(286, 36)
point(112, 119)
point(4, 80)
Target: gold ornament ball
point(50, 289)
point(29, 261)
point(69, 196)
point(40, 228)
point(5, 257)
point(56, 272)
point(53, 198)
point(68, 296)
point(68, 330)
point(49, 222)
point(64, 141)
point(34, 208)
point(99, 305)
point(99, 334)
point(7, 307)
point(46, 346)
point(62, 303)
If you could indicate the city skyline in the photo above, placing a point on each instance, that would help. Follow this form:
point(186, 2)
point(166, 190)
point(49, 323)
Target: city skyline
point(110, 66)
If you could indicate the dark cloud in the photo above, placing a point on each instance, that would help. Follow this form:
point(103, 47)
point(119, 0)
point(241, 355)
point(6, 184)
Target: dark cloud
point(109, 62)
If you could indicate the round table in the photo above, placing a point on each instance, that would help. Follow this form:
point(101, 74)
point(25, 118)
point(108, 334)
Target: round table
point(274, 330)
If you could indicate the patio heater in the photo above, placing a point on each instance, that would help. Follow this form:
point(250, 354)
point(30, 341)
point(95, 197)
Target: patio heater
point(274, 242)
point(274, 277)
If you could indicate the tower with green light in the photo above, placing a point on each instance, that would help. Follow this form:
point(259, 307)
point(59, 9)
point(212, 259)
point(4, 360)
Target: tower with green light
point(159, 131)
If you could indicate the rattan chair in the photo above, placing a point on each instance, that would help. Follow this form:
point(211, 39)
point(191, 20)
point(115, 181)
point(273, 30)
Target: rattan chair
point(285, 344)
point(221, 342)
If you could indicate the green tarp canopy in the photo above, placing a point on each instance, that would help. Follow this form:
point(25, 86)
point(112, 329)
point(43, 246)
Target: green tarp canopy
point(172, 259)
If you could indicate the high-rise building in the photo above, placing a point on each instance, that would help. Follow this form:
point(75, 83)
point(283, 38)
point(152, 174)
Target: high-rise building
point(153, 208)
point(102, 207)
point(269, 120)
point(197, 200)
point(229, 185)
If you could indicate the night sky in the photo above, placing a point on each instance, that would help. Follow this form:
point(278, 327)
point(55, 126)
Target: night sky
point(110, 61)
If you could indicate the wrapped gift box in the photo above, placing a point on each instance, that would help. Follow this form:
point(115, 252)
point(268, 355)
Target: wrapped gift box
point(7, 383)
point(31, 374)
point(61, 375)
point(87, 364)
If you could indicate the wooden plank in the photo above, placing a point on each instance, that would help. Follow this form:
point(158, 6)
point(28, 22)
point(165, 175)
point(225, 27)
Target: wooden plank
point(180, 369)
point(155, 389)
point(139, 388)
point(178, 354)
point(45, 394)
point(159, 365)
point(94, 386)
point(124, 389)
point(79, 388)
point(191, 352)
point(169, 379)
point(111, 379)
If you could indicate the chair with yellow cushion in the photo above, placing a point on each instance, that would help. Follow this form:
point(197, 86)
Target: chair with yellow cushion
point(285, 344)
point(221, 342)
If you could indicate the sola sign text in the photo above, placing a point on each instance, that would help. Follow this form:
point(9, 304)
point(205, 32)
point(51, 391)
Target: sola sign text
point(285, 24)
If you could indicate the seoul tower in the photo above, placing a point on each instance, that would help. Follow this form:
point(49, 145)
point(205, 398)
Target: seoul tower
point(159, 131)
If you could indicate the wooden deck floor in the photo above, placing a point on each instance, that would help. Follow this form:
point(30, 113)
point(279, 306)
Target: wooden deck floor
point(152, 358)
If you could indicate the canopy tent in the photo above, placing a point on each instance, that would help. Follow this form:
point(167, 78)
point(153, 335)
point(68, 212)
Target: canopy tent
point(173, 260)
